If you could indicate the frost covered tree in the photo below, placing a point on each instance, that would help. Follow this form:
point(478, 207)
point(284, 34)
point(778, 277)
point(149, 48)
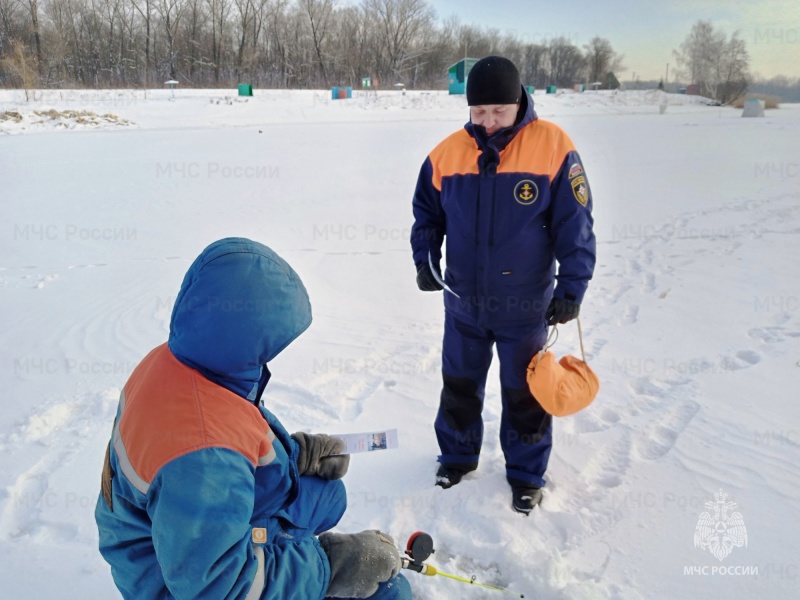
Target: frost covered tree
point(718, 65)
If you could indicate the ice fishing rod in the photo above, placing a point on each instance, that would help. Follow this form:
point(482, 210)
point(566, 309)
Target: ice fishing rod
point(420, 547)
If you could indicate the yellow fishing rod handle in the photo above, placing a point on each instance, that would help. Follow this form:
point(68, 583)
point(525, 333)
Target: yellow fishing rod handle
point(429, 570)
point(422, 569)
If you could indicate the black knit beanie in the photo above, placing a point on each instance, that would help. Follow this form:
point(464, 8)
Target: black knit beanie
point(493, 80)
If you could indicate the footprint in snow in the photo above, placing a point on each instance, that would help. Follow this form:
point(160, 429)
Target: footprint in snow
point(608, 465)
point(630, 316)
point(661, 434)
point(768, 335)
point(742, 360)
point(649, 283)
point(596, 347)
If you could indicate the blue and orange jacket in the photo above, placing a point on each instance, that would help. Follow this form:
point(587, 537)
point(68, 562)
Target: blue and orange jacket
point(201, 474)
point(508, 206)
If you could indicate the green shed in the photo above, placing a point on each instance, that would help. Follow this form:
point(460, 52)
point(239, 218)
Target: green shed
point(457, 75)
point(245, 89)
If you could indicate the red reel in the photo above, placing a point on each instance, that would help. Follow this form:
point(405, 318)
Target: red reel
point(420, 546)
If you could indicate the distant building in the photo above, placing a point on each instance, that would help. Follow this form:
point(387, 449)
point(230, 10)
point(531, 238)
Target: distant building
point(457, 75)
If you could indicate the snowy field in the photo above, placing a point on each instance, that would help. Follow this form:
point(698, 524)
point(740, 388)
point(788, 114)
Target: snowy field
point(691, 322)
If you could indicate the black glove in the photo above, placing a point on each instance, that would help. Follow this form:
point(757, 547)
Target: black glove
point(359, 562)
point(561, 311)
point(425, 279)
point(321, 455)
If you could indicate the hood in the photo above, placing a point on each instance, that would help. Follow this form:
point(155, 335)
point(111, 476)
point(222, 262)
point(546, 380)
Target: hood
point(239, 306)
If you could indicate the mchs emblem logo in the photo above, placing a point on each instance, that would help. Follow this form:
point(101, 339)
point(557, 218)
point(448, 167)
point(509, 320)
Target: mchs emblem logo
point(579, 190)
point(526, 192)
point(718, 531)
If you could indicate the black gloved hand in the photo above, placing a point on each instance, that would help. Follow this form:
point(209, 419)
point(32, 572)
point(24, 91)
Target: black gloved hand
point(561, 311)
point(425, 279)
point(359, 562)
point(321, 455)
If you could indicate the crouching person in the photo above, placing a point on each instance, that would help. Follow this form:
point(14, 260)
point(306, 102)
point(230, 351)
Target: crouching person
point(204, 493)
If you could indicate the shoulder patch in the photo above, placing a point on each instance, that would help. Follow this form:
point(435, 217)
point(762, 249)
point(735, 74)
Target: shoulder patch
point(574, 171)
point(579, 190)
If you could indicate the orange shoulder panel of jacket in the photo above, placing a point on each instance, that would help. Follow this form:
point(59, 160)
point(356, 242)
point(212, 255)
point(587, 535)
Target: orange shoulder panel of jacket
point(457, 154)
point(171, 410)
point(539, 148)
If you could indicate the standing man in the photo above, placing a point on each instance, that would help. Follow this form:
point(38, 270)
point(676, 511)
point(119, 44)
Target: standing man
point(509, 194)
point(204, 493)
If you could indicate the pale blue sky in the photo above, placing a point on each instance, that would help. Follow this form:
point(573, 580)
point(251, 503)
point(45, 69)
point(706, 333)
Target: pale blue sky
point(647, 31)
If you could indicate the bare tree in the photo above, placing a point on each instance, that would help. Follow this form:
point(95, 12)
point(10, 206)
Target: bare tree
point(171, 13)
point(32, 6)
point(22, 66)
point(533, 67)
point(319, 17)
point(717, 65)
point(731, 72)
point(219, 10)
point(398, 22)
point(476, 43)
point(9, 24)
point(194, 23)
point(351, 37)
point(695, 55)
point(565, 61)
point(145, 9)
point(299, 43)
point(601, 59)
point(246, 12)
point(438, 46)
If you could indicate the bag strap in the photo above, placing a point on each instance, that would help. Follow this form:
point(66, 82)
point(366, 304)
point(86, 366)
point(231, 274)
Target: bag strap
point(552, 340)
point(580, 337)
point(549, 341)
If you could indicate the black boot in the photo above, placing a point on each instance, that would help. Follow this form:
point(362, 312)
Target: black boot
point(525, 497)
point(447, 477)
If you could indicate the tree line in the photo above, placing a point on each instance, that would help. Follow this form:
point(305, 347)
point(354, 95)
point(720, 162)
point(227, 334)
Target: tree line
point(308, 44)
point(268, 43)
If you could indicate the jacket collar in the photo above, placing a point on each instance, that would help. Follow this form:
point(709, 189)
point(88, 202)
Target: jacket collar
point(497, 142)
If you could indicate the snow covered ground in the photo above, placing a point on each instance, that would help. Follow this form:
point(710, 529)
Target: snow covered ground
point(691, 323)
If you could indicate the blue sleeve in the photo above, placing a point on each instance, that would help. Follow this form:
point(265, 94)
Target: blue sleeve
point(427, 233)
point(571, 226)
point(200, 505)
point(289, 443)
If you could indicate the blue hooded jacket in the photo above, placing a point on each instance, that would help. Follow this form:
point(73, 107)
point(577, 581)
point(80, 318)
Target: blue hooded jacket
point(204, 490)
point(239, 306)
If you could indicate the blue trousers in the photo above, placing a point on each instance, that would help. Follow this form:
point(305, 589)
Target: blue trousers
point(525, 428)
point(319, 506)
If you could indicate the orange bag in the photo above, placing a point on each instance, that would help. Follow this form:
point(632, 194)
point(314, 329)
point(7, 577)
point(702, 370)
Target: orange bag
point(564, 387)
